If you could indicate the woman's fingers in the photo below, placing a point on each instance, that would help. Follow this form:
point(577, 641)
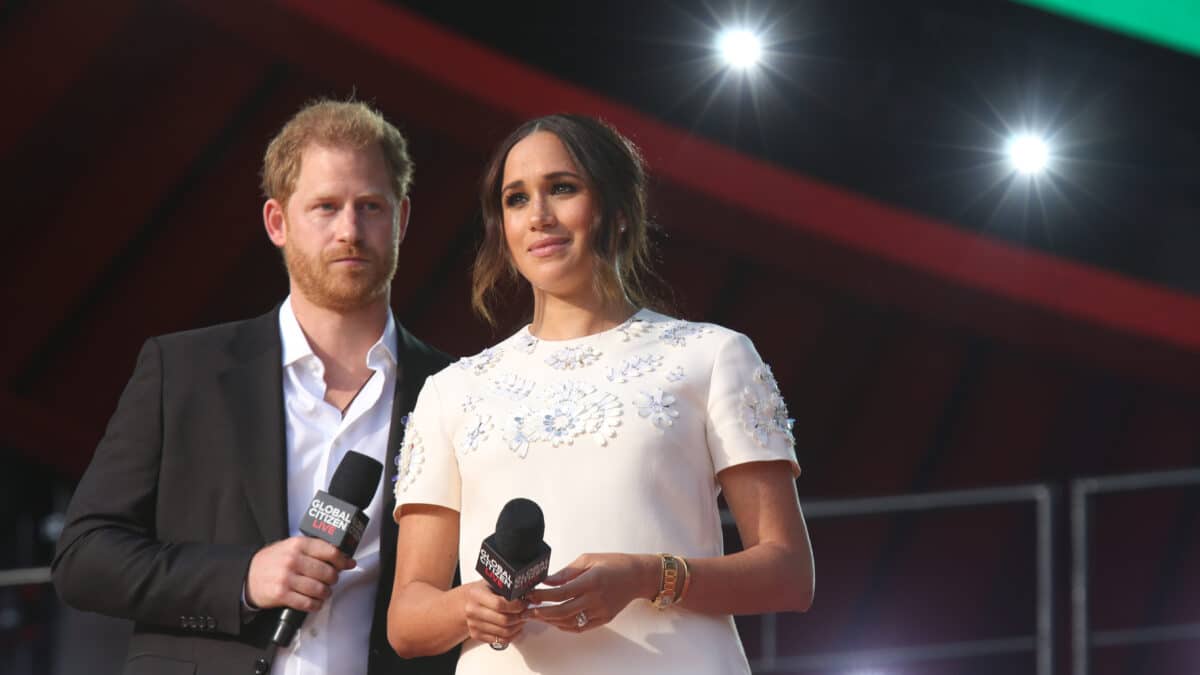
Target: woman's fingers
point(592, 590)
point(574, 616)
point(577, 567)
point(557, 594)
point(490, 617)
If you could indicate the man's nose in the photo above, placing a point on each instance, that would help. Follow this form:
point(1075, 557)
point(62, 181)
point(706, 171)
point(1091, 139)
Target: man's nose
point(348, 224)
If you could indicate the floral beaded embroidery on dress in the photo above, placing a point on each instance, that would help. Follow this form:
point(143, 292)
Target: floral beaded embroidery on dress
point(481, 362)
point(410, 459)
point(570, 358)
point(763, 409)
point(550, 396)
point(563, 412)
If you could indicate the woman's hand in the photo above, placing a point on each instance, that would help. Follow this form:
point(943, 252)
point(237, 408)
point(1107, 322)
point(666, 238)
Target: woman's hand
point(491, 618)
point(594, 588)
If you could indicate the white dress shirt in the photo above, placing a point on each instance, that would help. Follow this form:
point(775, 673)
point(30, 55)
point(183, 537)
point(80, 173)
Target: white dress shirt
point(336, 638)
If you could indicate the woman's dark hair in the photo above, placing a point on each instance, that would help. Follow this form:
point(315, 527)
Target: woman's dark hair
point(612, 166)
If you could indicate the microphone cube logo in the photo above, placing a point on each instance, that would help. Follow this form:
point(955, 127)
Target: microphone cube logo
point(508, 579)
point(335, 521)
point(493, 569)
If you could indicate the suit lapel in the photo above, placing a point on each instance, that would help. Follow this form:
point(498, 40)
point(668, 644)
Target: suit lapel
point(253, 388)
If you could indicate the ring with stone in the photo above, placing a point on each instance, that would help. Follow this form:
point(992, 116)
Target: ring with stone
point(581, 619)
point(498, 644)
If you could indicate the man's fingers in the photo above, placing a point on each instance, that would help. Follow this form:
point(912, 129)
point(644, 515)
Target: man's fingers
point(303, 603)
point(310, 587)
point(324, 551)
point(316, 569)
point(302, 566)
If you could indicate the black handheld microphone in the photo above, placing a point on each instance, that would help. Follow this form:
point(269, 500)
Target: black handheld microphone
point(514, 559)
point(338, 517)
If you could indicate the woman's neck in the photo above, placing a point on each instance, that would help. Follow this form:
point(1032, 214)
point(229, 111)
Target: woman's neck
point(556, 318)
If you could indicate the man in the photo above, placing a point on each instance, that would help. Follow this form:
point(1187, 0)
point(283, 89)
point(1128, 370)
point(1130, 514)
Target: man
point(186, 521)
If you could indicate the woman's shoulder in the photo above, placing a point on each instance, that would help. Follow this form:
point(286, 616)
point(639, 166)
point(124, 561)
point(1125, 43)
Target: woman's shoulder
point(673, 332)
point(466, 370)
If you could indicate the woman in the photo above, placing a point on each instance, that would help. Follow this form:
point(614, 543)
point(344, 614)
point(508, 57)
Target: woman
point(621, 423)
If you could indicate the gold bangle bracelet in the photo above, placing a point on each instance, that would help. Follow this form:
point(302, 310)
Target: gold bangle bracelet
point(687, 579)
point(668, 589)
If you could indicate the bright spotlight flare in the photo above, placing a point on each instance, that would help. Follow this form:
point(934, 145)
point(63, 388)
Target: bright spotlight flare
point(741, 48)
point(1028, 153)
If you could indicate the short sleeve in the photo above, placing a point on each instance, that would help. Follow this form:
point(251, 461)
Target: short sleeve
point(747, 417)
point(428, 472)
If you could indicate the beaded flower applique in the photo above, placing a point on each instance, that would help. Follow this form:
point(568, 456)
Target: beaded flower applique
point(513, 386)
point(481, 362)
point(636, 366)
point(476, 431)
point(656, 406)
point(763, 409)
point(676, 333)
point(526, 342)
point(562, 413)
point(570, 358)
point(400, 451)
point(633, 328)
point(410, 459)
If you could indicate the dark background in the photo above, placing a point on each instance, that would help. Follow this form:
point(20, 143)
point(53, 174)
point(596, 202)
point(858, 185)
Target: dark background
point(935, 322)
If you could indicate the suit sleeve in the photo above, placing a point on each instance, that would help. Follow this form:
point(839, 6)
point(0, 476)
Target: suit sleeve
point(108, 558)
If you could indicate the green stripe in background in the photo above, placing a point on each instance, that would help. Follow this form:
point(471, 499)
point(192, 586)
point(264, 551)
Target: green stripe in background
point(1174, 23)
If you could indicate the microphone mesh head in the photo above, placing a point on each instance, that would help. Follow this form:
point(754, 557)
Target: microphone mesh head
point(356, 478)
point(519, 530)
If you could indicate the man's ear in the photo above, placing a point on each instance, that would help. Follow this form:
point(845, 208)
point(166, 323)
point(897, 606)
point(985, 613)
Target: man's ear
point(274, 223)
point(404, 211)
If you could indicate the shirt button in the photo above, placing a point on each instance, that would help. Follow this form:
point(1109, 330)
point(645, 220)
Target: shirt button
point(312, 632)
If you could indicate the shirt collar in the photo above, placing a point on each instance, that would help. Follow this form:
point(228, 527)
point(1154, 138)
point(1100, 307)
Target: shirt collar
point(296, 347)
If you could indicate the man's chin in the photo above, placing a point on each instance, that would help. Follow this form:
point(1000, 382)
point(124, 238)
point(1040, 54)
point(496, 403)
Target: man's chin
point(346, 299)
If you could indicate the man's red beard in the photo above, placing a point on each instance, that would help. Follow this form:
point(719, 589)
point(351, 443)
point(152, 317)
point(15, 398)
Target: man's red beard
point(341, 289)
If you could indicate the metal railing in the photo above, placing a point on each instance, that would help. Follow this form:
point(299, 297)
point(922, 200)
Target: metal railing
point(1082, 637)
point(1041, 643)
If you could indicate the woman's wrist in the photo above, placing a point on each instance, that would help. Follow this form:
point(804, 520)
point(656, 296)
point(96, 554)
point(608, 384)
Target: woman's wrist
point(650, 575)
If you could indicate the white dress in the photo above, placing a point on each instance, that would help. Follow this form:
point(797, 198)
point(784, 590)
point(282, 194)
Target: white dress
point(618, 436)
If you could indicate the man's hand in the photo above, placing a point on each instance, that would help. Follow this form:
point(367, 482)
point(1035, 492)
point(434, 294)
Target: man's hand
point(297, 572)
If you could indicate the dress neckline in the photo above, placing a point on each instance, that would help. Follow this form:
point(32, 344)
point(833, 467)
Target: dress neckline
point(526, 335)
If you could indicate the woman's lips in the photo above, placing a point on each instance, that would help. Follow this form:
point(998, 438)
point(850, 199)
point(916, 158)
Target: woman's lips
point(549, 246)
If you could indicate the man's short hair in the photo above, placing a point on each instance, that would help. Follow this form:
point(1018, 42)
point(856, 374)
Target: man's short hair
point(341, 124)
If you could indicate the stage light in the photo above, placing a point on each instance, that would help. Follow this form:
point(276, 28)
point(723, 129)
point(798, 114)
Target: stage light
point(740, 48)
point(1028, 154)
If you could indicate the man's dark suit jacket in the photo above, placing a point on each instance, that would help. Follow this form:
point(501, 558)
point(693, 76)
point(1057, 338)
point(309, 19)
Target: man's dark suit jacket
point(188, 483)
